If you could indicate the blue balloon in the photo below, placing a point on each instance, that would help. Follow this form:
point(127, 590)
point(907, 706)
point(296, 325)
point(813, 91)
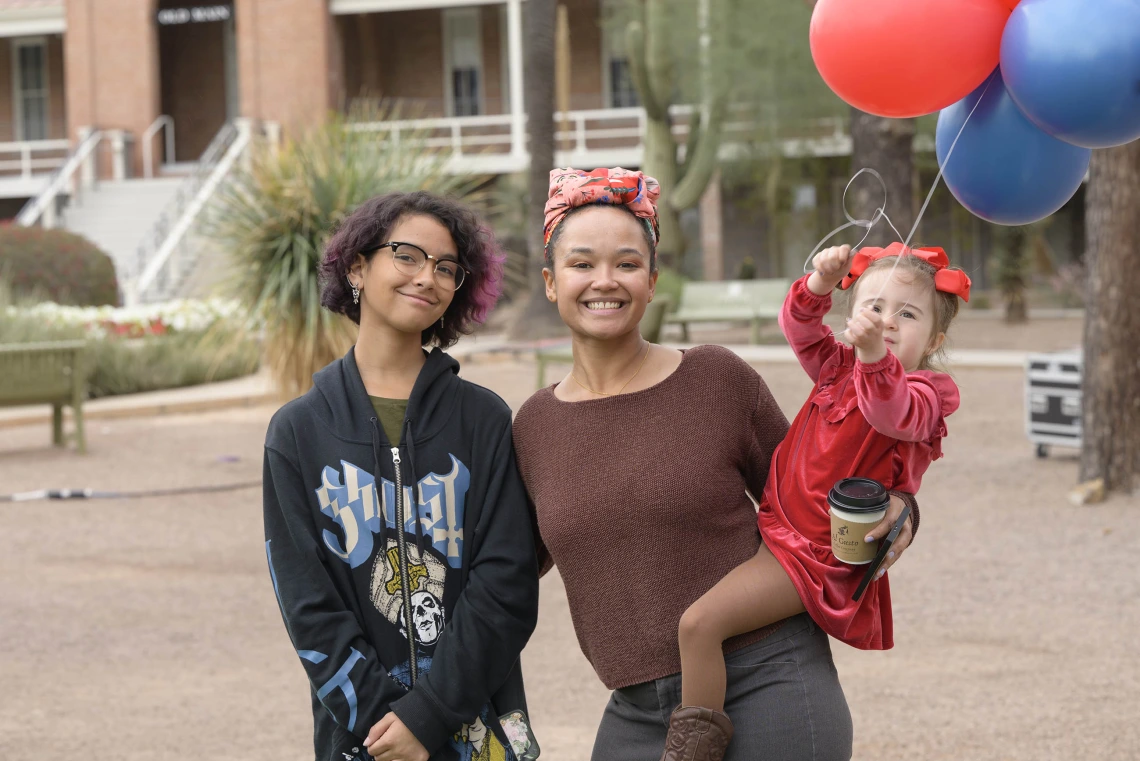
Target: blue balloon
point(1073, 66)
point(1003, 168)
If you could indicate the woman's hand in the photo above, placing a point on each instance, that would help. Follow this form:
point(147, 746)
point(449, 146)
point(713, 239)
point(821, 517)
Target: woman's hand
point(894, 510)
point(390, 740)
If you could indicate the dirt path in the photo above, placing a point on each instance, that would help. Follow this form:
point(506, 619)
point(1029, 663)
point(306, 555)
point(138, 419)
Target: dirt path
point(147, 629)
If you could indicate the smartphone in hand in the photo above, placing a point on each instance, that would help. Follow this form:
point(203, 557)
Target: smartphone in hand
point(884, 548)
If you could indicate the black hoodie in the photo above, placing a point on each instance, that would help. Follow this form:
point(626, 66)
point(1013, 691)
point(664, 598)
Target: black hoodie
point(344, 575)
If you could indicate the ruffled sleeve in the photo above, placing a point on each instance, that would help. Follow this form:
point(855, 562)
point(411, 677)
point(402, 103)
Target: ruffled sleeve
point(905, 406)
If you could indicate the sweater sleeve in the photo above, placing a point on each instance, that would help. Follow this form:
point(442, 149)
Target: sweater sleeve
point(344, 669)
point(766, 429)
point(908, 407)
point(492, 619)
point(801, 319)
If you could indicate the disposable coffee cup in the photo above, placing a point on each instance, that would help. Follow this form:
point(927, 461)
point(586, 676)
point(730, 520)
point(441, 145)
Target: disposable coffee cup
point(857, 505)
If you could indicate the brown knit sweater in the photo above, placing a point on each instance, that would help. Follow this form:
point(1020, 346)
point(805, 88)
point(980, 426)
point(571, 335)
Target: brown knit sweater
point(641, 503)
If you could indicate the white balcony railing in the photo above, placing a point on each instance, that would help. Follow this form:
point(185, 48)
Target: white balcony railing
point(32, 157)
point(43, 206)
point(590, 138)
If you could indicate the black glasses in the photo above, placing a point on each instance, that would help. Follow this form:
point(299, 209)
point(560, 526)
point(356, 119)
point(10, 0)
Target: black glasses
point(410, 259)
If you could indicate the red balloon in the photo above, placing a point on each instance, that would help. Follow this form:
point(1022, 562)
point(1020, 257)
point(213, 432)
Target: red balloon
point(1011, 4)
point(903, 58)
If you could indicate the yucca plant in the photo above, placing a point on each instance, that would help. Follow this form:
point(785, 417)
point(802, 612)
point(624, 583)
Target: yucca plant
point(274, 216)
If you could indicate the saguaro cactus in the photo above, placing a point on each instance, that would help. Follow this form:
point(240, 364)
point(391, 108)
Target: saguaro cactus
point(653, 62)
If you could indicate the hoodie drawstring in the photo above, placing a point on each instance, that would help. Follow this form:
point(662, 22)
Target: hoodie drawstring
point(416, 498)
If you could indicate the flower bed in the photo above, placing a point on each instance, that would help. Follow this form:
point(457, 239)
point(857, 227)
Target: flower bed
point(149, 347)
point(181, 316)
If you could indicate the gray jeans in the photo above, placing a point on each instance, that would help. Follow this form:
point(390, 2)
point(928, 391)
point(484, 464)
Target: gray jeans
point(783, 697)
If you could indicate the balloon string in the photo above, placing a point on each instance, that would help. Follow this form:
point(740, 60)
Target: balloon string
point(881, 212)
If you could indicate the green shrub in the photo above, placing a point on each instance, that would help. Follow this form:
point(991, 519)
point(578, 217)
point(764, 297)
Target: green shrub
point(172, 361)
point(56, 265)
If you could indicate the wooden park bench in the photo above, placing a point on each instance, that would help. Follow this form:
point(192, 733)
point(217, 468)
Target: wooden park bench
point(650, 326)
point(752, 301)
point(46, 373)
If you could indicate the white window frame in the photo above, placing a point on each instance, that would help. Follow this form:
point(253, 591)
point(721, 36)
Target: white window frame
point(472, 13)
point(16, 44)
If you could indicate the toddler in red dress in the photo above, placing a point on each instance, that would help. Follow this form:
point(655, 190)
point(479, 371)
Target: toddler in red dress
point(877, 411)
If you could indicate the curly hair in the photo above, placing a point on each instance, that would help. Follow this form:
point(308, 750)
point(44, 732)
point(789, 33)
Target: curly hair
point(363, 232)
point(646, 231)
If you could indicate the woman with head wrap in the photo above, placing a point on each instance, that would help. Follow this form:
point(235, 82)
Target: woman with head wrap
point(638, 465)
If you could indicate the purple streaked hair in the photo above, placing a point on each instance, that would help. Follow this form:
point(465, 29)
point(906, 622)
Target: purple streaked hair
point(363, 231)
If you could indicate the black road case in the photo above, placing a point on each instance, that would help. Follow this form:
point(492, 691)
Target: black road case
point(1053, 400)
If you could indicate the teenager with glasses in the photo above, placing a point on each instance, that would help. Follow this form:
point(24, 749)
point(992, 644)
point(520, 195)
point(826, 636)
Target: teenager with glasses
point(397, 530)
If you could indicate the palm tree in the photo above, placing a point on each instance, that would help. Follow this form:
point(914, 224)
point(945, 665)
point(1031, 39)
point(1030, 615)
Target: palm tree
point(538, 318)
point(1012, 265)
point(887, 146)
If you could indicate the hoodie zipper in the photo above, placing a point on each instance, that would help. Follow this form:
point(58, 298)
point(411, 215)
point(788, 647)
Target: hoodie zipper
point(402, 562)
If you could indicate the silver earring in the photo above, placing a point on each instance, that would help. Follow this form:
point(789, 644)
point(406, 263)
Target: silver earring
point(355, 295)
point(441, 322)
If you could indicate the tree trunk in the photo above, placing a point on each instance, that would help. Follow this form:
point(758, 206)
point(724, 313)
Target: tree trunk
point(1111, 418)
point(887, 146)
point(538, 318)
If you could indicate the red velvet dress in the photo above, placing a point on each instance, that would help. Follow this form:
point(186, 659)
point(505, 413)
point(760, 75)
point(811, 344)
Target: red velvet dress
point(874, 421)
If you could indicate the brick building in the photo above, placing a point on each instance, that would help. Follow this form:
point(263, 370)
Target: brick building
point(118, 118)
point(122, 64)
point(121, 102)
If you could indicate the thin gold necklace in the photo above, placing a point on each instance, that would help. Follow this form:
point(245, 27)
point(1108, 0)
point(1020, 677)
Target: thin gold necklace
point(603, 393)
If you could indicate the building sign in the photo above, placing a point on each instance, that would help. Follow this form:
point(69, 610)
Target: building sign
point(196, 15)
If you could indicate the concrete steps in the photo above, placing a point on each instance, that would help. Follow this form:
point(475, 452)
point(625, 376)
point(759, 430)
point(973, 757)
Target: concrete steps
point(116, 216)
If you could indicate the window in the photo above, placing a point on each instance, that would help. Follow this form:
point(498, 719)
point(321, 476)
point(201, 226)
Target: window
point(30, 87)
point(622, 92)
point(463, 61)
point(618, 84)
point(465, 89)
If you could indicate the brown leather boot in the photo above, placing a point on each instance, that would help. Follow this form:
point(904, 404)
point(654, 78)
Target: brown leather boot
point(697, 734)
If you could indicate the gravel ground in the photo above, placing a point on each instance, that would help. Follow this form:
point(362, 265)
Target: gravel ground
point(147, 628)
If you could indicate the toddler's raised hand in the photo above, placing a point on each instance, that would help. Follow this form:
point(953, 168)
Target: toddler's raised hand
point(865, 331)
point(831, 266)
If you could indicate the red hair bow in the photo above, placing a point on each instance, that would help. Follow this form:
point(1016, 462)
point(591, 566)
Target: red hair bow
point(946, 280)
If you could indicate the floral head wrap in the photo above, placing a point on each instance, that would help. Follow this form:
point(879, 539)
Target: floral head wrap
point(571, 188)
